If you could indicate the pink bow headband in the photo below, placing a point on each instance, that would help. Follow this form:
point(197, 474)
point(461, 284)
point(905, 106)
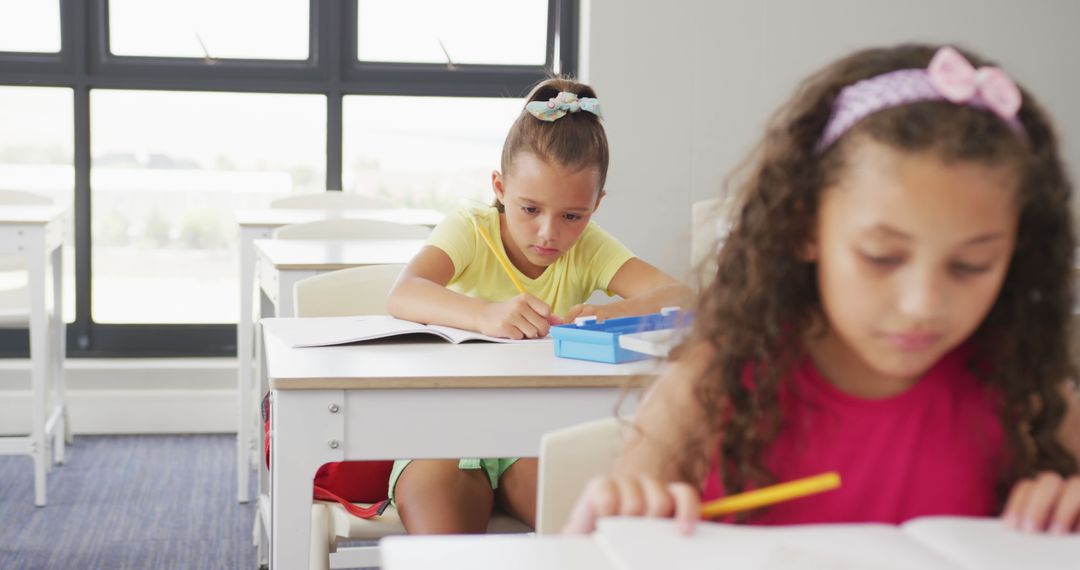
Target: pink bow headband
point(949, 77)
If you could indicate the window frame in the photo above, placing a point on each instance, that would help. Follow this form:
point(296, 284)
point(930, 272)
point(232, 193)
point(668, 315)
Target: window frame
point(84, 63)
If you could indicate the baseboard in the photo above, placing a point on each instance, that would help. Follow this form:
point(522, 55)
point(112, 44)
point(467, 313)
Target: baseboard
point(131, 411)
point(131, 396)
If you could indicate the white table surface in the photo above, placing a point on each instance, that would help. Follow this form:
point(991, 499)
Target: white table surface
point(277, 217)
point(492, 552)
point(12, 214)
point(385, 399)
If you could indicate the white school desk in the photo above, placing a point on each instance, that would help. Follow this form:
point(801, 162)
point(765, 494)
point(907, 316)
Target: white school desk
point(492, 552)
point(36, 233)
point(283, 262)
point(260, 224)
point(418, 399)
point(929, 543)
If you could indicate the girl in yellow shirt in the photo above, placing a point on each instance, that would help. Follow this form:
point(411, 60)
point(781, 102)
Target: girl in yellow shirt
point(553, 167)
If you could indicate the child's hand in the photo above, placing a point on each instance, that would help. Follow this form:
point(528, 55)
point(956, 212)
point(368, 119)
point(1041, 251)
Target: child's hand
point(634, 496)
point(1046, 502)
point(523, 316)
point(585, 310)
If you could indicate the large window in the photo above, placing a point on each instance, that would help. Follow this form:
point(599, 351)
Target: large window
point(511, 32)
point(156, 120)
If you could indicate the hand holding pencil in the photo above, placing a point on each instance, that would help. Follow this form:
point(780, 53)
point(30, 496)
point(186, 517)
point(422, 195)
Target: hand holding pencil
point(645, 496)
point(524, 316)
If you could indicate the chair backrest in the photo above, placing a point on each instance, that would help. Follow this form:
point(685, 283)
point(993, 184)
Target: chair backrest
point(709, 227)
point(345, 292)
point(569, 458)
point(331, 200)
point(21, 198)
point(351, 229)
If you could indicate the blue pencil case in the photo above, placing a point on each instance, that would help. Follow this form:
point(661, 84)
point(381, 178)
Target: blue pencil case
point(586, 339)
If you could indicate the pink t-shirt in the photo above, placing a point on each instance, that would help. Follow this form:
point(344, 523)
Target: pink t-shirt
point(934, 449)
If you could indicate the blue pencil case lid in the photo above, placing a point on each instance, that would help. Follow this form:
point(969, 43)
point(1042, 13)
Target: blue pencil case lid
point(586, 339)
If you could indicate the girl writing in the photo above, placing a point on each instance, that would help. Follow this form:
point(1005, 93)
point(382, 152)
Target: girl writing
point(892, 303)
point(554, 164)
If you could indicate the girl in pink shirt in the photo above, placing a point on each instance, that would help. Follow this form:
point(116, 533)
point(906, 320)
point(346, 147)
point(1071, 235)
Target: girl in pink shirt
point(892, 303)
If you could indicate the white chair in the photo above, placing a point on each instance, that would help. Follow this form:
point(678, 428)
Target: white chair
point(709, 226)
point(355, 291)
point(351, 229)
point(332, 200)
point(21, 198)
point(569, 458)
point(15, 299)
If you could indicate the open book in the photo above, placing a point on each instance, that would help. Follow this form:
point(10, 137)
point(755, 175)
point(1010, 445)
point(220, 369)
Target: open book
point(326, 331)
point(928, 543)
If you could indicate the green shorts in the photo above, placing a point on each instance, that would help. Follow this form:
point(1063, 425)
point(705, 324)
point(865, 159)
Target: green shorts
point(493, 467)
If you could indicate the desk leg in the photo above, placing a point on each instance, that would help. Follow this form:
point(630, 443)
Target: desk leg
point(243, 362)
point(286, 280)
point(303, 430)
point(262, 494)
point(262, 384)
point(39, 363)
point(59, 354)
point(265, 307)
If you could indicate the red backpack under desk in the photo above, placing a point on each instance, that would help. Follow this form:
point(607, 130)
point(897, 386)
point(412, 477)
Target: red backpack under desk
point(346, 482)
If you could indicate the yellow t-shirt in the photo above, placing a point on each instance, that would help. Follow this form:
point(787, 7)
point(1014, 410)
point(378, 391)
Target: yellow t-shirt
point(588, 266)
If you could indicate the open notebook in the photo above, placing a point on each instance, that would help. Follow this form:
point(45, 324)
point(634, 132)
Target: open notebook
point(929, 543)
point(326, 331)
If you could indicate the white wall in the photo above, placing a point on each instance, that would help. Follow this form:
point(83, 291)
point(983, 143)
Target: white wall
point(687, 85)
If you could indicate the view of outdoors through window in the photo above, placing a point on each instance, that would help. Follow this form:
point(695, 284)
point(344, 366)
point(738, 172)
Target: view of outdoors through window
point(424, 152)
point(165, 184)
point(170, 168)
point(167, 171)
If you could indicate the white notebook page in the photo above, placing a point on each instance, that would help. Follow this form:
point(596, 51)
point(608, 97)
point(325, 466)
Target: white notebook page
point(649, 544)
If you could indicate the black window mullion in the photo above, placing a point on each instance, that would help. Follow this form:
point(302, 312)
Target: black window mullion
point(331, 50)
point(30, 69)
point(77, 44)
point(567, 28)
point(550, 57)
point(421, 79)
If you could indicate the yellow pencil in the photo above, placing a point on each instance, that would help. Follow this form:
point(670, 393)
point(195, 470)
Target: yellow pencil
point(771, 494)
point(505, 264)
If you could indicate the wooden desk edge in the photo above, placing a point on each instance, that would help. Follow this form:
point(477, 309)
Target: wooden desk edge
point(330, 266)
point(405, 383)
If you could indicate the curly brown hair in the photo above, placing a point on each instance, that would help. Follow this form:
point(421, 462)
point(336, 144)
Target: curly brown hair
point(574, 141)
point(763, 297)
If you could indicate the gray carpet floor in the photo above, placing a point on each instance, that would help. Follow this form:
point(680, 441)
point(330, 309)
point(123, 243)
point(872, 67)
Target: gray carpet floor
point(120, 502)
